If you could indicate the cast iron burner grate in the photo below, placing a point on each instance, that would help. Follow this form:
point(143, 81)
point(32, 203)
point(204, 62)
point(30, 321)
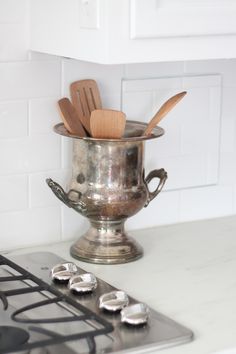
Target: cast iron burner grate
point(61, 322)
point(8, 333)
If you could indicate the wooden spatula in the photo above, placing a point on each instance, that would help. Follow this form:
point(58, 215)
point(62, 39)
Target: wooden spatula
point(107, 124)
point(70, 118)
point(85, 98)
point(161, 113)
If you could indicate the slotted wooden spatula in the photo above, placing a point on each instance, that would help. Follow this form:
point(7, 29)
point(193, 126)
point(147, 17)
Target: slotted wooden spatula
point(70, 118)
point(85, 98)
point(107, 124)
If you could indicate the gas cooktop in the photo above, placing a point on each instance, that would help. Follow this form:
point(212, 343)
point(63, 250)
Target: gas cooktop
point(40, 316)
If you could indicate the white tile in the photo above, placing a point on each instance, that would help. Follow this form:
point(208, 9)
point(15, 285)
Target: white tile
point(138, 105)
point(14, 42)
point(212, 168)
point(164, 146)
point(13, 11)
point(43, 115)
point(35, 56)
point(227, 171)
point(164, 209)
point(202, 203)
point(199, 81)
point(151, 70)
point(39, 153)
point(228, 103)
point(40, 194)
point(229, 73)
point(200, 138)
point(215, 103)
point(29, 80)
point(108, 77)
point(30, 227)
point(184, 171)
point(234, 199)
point(13, 119)
point(226, 67)
point(74, 225)
point(112, 101)
point(154, 84)
point(13, 192)
point(203, 66)
point(228, 135)
point(67, 152)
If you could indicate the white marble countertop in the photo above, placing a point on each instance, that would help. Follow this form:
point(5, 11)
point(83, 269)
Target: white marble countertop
point(188, 272)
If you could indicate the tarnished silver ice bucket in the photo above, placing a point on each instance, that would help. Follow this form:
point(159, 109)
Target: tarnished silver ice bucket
point(108, 186)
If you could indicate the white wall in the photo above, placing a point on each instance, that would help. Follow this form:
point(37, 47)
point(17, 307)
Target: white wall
point(198, 149)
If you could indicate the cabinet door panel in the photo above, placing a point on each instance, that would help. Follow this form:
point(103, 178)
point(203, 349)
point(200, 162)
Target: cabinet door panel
point(180, 18)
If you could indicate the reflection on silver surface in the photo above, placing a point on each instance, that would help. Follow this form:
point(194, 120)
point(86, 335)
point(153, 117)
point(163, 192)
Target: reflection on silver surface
point(135, 314)
point(64, 271)
point(83, 283)
point(113, 301)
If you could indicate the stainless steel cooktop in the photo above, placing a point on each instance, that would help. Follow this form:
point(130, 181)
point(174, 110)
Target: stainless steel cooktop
point(48, 318)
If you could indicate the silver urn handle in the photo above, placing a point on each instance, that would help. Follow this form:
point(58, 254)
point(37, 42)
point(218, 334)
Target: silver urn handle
point(162, 175)
point(59, 192)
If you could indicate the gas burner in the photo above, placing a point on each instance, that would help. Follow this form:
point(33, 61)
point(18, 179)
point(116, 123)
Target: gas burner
point(39, 313)
point(12, 337)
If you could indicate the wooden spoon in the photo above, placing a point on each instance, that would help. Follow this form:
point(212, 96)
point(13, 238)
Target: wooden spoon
point(70, 118)
point(86, 98)
point(161, 113)
point(107, 124)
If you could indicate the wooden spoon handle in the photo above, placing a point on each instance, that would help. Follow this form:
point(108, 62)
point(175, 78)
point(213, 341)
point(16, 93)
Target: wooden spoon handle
point(161, 113)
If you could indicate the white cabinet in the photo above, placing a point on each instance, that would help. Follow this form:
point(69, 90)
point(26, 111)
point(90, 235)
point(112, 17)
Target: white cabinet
point(133, 31)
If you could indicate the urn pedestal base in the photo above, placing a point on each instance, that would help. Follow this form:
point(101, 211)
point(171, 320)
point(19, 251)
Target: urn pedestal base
point(106, 242)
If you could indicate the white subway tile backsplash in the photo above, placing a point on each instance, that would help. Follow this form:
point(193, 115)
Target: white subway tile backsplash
point(201, 81)
point(67, 155)
point(15, 48)
point(228, 103)
point(208, 202)
point(204, 66)
point(227, 171)
point(39, 153)
point(164, 209)
point(35, 56)
point(151, 70)
point(13, 192)
point(228, 133)
point(112, 101)
point(184, 171)
point(74, 225)
point(226, 67)
point(14, 119)
point(30, 227)
point(43, 115)
point(24, 80)
point(13, 11)
point(138, 105)
point(154, 84)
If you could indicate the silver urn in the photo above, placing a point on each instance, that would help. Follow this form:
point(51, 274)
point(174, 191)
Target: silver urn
point(108, 186)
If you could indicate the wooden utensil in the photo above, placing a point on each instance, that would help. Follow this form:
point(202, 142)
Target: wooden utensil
point(85, 98)
point(107, 124)
point(162, 112)
point(70, 118)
